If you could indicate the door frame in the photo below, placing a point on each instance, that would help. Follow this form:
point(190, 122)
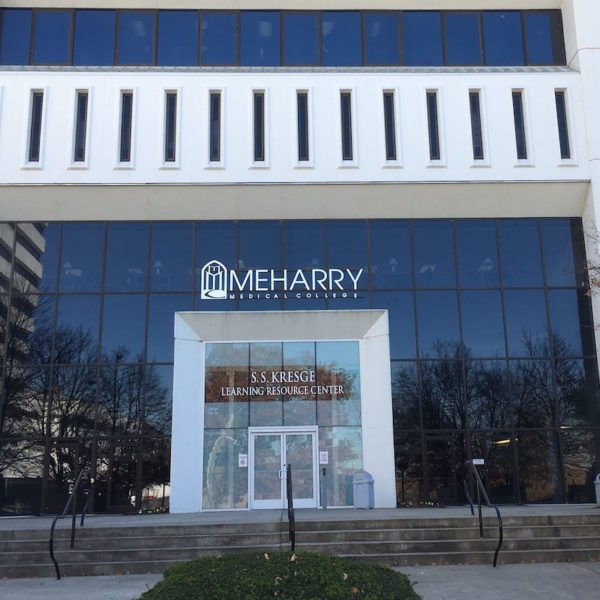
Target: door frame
point(281, 430)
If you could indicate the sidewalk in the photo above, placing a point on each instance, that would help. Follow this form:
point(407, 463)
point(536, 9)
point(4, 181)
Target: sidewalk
point(556, 581)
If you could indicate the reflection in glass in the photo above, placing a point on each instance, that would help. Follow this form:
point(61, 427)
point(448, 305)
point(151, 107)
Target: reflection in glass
point(260, 38)
point(158, 400)
point(266, 408)
point(136, 38)
point(405, 396)
point(580, 451)
point(437, 323)
point(487, 394)
point(225, 484)
point(127, 257)
point(443, 463)
point(299, 409)
point(538, 468)
point(267, 467)
point(171, 257)
point(482, 324)
point(219, 38)
point(564, 318)
point(496, 449)
point(226, 369)
point(532, 393)
point(434, 254)
point(77, 329)
point(558, 252)
point(443, 394)
point(260, 246)
point(341, 39)
point(577, 393)
point(477, 254)
point(120, 402)
point(347, 246)
point(116, 484)
point(520, 253)
point(215, 240)
point(409, 469)
point(123, 326)
point(391, 266)
point(401, 314)
point(81, 257)
point(161, 316)
point(344, 449)
point(303, 244)
point(526, 323)
point(36, 258)
point(156, 474)
point(299, 454)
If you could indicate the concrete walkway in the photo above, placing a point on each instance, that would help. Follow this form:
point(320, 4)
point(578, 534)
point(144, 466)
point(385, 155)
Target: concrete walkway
point(556, 581)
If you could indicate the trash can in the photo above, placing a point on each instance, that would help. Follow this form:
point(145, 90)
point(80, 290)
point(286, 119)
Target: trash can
point(597, 484)
point(364, 495)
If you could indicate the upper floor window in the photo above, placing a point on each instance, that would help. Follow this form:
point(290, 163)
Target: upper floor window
point(382, 46)
point(341, 33)
point(94, 42)
point(15, 33)
point(260, 41)
point(300, 38)
point(177, 38)
point(219, 38)
point(136, 38)
point(52, 42)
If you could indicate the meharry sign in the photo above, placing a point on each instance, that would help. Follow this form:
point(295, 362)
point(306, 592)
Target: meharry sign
point(219, 283)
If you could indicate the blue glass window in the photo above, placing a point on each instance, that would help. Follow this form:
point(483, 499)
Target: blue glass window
point(401, 311)
point(422, 32)
point(136, 38)
point(558, 252)
point(564, 317)
point(463, 40)
point(341, 35)
point(219, 38)
point(526, 324)
point(347, 246)
point(94, 43)
point(434, 254)
point(215, 241)
point(382, 46)
point(14, 37)
point(437, 324)
point(520, 253)
point(260, 246)
point(260, 43)
point(303, 244)
point(126, 257)
point(300, 39)
point(503, 38)
point(82, 256)
point(161, 314)
point(483, 327)
point(49, 258)
point(52, 37)
point(171, 256)
point(477, 254)
point(391, 265)
point(177, 38)
point(539, 39)
point(123, 327)
point(79, 311)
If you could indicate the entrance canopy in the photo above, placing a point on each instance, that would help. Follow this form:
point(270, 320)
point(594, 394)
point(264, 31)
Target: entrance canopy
point(227, 449)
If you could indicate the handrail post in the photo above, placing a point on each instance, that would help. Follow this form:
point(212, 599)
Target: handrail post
point(479, 512)
point(290, 503)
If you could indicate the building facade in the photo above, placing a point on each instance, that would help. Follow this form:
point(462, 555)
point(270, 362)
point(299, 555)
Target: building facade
point(303, 164)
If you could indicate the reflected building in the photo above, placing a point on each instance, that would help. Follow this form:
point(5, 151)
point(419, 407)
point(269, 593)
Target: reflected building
point(435, 163)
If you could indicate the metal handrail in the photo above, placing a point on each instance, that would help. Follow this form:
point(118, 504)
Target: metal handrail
point(481, 492)
point(290, 503)
point(70, 501)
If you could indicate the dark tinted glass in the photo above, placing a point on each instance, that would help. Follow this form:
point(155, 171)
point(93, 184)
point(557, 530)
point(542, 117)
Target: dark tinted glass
point(177, 38)
point(341, 39)
point(382, 46)
point(158, 403)
point(346, 113)
point(488, 398)
point(401, 311)
point(564, 319)
point(260, 39)
point(520, 253)
point(526, 324)
point(14, 37)
point(303, 244)
point(422, 33)
point(126, 256)
point(215, 241)
point(35, 133)
point(463, 40)
point(391, 265)
point(520, 137)
point(31, 322)
point(390, 126)
point(503, 38)
point(260, 245)
point(539, 38)
point(126, 125)
point(533, 397)
point(259, 126)
point(302, 99)
point(482, 323)
point(219, 38)
point(160, 324)
point(347, 245)
point(171, 257)
point(563, 129)
point(170, 125)
point(558, 252)
point(49, 258)
point(94, 42)
point(476, 135)
point(300, 39)
point(432, 125)
point(437, 324)
point(215, 127)
point(576, 387)
point(434, 254)
point(442, 403)
point(477, 254)
point(537, 466)
point(123, 327)
point(52, 37)
point(82, 257)
point(77, 328)
point(80, 127)
point(136, 38)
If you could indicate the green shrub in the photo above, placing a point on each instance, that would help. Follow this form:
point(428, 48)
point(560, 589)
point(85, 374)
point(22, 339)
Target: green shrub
point(282, 575)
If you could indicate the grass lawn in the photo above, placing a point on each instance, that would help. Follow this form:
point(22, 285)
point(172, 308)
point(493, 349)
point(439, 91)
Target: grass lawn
point(294, 576)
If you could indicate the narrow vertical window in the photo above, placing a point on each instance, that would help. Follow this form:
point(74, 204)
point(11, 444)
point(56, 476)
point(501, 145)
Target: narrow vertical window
point(302, 101)
point(35, 133)
point(517, 98)
point(215, 127)
point(389, 123)
point(80, 127)
point(259, 126)
point(563, 129)
point(432, 123)
point(126, 126)
point(476, 133)
point(346, 109)
point(170, 125)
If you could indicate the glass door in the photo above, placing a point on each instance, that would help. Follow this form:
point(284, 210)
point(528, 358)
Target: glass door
point(271, 452)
